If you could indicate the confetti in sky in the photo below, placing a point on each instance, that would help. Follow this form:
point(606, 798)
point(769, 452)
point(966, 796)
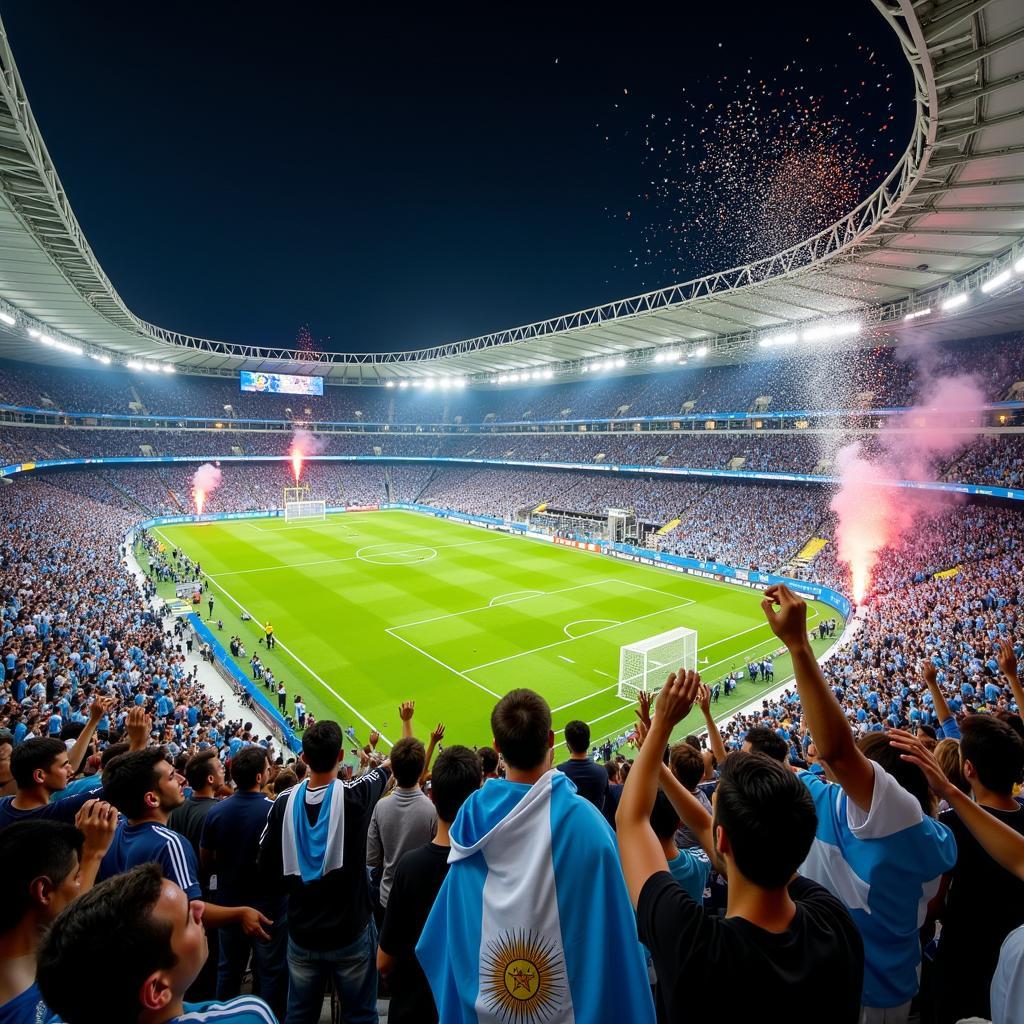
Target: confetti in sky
point(749, 163)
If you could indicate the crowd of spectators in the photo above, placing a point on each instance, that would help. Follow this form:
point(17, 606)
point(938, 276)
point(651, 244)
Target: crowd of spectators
point(844, 864)
point(995, 460)
point(882, 377)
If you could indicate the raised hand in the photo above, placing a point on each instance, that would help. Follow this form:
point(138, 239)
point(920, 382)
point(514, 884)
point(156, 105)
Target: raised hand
point(437, 734)
point(138, 728)
point(930, 673)
point(913, 750)
point(406, 709)
point(704, 699)
point(101, 706)
point(1007, 659)
point(374, 737)
point(676, 697)
point(97, 821)
point(643, 712)
point(789, 623)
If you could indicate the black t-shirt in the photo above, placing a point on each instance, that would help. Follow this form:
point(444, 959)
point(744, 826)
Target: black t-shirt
point(187, 820)
point(418, 880)
point(591, 780)
point(983, 905)
point(815, 967)
point(332, 911)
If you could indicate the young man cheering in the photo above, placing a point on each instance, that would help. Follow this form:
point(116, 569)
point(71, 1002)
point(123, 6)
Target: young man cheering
point(795, 941)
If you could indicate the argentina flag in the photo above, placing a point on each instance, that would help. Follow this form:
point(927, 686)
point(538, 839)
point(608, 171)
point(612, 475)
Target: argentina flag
point(533, 924)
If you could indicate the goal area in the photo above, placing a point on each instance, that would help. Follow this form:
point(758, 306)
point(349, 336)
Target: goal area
point(305, 510)
point(646, 664)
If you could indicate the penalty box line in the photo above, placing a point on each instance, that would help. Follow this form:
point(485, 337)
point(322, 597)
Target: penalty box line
point(582, 636)
point(298, 661)
point(618, 711)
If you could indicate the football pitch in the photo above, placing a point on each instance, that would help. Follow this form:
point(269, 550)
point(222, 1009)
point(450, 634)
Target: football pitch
point(373, 608)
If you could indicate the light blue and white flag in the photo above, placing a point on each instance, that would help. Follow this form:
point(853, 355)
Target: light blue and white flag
point(312, 851)
point(533, 924)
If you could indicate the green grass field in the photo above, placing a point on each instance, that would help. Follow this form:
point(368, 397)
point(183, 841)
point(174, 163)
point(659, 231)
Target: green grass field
point(373, 608)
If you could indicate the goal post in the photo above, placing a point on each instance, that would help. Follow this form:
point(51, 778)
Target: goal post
point(646, 664)
point(305, 510)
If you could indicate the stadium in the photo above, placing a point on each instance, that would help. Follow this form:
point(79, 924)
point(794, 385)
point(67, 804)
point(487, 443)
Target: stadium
point(800, 478)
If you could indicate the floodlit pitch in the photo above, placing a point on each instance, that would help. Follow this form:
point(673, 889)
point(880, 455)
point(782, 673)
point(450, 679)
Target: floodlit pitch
point(372, 608)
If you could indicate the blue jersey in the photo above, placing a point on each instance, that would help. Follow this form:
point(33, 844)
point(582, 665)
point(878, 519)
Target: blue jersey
point(149, 842)
point(690, 868)
point(884, 865)
point(65, 810)
point(28, 1008)
point(240, 1010)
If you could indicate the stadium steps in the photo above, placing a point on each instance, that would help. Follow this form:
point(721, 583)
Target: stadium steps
point(799, 563)
point(111, 480)
point(668, 527)
point(423, 489)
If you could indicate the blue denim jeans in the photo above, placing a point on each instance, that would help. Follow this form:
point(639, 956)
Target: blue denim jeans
point(354, 969)
point(269, 966)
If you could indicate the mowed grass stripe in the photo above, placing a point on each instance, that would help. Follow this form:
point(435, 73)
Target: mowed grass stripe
point(474, 620)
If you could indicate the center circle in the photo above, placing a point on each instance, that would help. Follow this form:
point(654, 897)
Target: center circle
point(396, 554)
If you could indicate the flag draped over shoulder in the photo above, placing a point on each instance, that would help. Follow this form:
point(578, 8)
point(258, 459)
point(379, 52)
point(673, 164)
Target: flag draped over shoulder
point(311, 851)
point(533, 924)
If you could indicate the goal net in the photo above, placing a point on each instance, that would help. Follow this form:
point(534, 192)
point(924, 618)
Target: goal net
point(646, 664)
point(305, 510)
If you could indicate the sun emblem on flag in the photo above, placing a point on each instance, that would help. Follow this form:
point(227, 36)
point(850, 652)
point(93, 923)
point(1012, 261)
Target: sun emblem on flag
point(523, 977)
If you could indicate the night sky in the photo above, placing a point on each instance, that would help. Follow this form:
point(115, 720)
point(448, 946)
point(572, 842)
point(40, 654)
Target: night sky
point(393, 181)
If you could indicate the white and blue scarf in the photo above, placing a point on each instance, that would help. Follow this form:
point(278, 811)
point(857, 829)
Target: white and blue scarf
point(312, 851)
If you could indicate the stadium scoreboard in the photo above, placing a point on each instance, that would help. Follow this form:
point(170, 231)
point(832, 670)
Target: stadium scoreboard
point(281, 383)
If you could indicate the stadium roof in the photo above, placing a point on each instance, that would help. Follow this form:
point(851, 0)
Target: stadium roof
point(947, 220)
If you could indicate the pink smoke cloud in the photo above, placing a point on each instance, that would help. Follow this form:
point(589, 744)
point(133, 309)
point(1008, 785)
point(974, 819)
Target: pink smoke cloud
point(872, 513)
point(206, 479)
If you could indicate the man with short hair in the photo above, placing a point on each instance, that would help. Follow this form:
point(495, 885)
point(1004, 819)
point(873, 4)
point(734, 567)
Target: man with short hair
point(145, 925)
point(229, 849)
point(145, 788)
point(44, 865)
point(205, 775)
point(877, 846)
point(983, 901)
point(418, 877)
point(315, 841)
point(42, 767)
point(590, 779)
point(534, 889)
point(762, 740)
point(795, 941)
point(403, 821)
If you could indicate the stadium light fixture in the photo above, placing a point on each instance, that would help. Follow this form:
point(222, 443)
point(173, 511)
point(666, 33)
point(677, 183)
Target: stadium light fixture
point(954, 301)
point(549, 374)
point(8, 319)
point(996, 282)
point(389, 384)
point(151, 367)
point(918, 313)
point(620, 363)
point(1018, 267)
point(701, 352)
point(133, 365)
point(403, 385)
point(33, 333)
point(429, 384)
point(846, 329)
point(167, 368)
